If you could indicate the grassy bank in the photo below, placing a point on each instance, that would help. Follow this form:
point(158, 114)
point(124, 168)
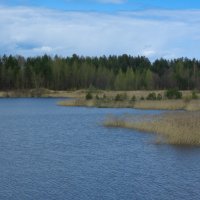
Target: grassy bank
point(42, 92)
point(97, 103)
point(81, 93)
point(134, 99)
point(177, 128)
point(107, 99)
point(189, 105)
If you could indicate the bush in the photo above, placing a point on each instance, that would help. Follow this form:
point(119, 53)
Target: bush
point(97, 97)
point(194, 95)
point(133, 98)
point(159, 96)
point(121, 97)
point(173, 94)
point(151, 96)
point(88, 96)
point(142, 98)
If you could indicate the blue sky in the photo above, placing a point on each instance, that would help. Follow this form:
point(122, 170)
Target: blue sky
point(153, 28)
point(106, 5)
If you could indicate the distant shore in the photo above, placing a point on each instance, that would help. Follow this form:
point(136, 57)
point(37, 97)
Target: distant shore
point(43, 93)
point(179, 128)
point(192, 105)
point(107, 99)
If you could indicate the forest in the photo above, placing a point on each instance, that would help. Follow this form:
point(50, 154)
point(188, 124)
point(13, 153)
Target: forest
point(123, 72)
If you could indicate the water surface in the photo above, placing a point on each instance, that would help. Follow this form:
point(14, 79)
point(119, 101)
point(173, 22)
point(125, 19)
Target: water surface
point(49, 152)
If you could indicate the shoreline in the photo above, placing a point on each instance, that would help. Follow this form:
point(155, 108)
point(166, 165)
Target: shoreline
point(43, 92)
point(192, 105)
point(106, 99)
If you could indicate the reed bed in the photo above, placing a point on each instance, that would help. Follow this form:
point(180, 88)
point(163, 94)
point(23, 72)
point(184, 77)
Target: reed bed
point(97, 103)
point(77, 102)
point(177, 128)
point(192, 105)
point(181, 104)
point(159, 105)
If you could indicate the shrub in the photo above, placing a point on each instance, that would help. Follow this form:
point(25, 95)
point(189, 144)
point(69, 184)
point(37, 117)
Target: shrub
point(142, 98)
point(194, 95)
point(97, 97)
point(88, 96)
point(133, 98)
point(151, 96)
point(121, 97)
point(173, 94)
point(159, 96)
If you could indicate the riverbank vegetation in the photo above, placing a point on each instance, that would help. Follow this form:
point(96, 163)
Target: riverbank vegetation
point(177, 128)
point(40, 92)
point(106, 73)
point(169, 100)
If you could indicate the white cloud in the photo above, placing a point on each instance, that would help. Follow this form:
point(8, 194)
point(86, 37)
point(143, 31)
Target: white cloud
point(32, 31)
point(148, 52)
point(44, 49)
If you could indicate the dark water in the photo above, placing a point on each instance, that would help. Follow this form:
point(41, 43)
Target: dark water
point(49, 152)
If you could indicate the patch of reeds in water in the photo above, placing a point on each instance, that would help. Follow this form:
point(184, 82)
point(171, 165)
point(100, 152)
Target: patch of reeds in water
point(177, 128)
point(77, 102)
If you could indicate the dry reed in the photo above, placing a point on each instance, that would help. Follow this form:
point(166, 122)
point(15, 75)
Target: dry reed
point(177, 128)
point(192, 105)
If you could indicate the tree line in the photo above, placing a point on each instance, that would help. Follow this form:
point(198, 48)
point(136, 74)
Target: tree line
point(123, 72)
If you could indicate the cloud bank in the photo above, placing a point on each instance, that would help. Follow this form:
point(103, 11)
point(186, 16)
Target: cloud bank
point(153, 33)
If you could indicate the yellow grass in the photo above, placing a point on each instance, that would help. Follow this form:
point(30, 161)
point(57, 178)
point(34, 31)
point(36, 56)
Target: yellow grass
point(77, 102)
point(140, 93)
point(79, 95)
point(192, 105)
point(82, 93)
point(97, 103)
point(42, 92)
point(181, 104)
point(163, 104)
point(184, 104)
point(177, 128)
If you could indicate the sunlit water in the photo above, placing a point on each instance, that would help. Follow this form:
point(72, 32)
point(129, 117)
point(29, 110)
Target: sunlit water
point(49, 152)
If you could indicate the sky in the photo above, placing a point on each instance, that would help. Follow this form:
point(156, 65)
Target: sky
point(152, 28)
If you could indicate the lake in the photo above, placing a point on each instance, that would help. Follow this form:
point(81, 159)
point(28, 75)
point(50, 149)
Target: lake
point(49, 152)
